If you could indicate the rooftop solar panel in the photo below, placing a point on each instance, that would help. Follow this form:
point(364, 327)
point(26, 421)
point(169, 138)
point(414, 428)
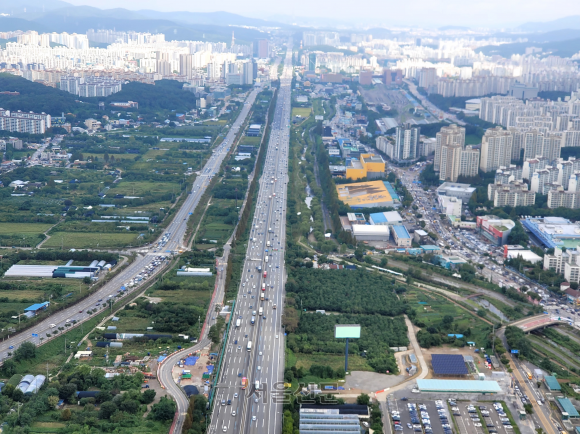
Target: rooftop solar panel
point(449, 364)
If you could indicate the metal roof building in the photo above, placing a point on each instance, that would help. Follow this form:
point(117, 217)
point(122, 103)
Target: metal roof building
point(371, 233)
point(458, 386)
point(38, 306)
point(386, 218)
point(552, 383)
point(567, 407)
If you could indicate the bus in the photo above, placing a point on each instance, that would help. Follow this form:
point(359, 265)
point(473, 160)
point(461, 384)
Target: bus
point(244, 383)
point(249, 348)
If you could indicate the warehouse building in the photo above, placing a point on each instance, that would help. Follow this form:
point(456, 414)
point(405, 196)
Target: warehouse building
point(401, 236)
point(459, 386)
point(385, 218)
point(367, 194)
point(552, 384)
point(454, 189)
point(567, 409)
point(254, 130)
point(370, 233)
point(554, 231)
point(320, 418)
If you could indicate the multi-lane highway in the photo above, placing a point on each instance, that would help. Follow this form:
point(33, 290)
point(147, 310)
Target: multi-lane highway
point(171, 240)
point(254, 356)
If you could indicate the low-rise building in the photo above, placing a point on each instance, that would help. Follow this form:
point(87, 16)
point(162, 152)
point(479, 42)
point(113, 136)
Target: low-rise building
point(450, 205)
point(454, 189)
point(494, 228)
point(401, 236)
point(385, 218)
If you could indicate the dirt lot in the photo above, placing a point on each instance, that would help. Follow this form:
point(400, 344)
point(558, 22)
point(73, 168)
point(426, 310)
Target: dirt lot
point(196, 370)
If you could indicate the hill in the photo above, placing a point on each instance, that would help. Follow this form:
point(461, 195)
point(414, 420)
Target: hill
point(571, 22)
point(559, 48)
point(166, 95)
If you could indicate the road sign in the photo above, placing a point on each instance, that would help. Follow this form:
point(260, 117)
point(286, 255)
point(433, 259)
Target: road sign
point(515, 351)
point(34, 335)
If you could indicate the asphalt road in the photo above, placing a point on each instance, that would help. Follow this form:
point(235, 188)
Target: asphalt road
point(172, 240)
point(255, 347)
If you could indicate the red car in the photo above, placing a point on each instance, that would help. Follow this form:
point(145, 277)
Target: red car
point(80, 311)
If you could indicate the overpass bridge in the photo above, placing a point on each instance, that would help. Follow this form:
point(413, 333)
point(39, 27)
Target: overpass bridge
point(540, 321)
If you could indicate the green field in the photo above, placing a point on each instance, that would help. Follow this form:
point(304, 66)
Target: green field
point(255, 141)
point(300, 111)
point(22, 294)
point(23, 228)
point(142, 188)
point(199, 298)
point(86, 240)
point(335, 361)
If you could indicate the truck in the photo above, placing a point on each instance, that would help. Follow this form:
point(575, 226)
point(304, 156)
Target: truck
point(253, 320)
point(244, 383)
point(263, 286)
point(265, 274)
point(262, 296)
point(267, 243)
point(238, 322)
point(266, 259)
point(261, 311)
point(249, 347)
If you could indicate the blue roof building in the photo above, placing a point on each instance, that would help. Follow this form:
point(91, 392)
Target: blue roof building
point(401, 236)
point(37, 307)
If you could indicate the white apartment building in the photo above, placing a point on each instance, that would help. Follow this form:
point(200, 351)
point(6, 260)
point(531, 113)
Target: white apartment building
point(515, 193)
point(21, 122)
point(496, 149)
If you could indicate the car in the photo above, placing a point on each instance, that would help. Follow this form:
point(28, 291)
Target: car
point(260, 353)
point(235, 395)
point(225, 428)
point(229, 402)
point(223, 402)
point(236, 342)
point(253, 418)
point(259, 368)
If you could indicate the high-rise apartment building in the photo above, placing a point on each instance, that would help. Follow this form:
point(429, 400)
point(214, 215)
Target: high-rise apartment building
point(24, 122)
point(427, 77)
point(407, 142)
point(496, 149)
point(447, 136)
point(515, 193)
point(469, 162)
point(186, 65)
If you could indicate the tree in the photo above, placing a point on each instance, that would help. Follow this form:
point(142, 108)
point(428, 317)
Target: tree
point(107, 410)
point(131, 406)
point(65, 414)
point(67, 391)
point(86, 280)
point(363, 399)
point(163, 410)
point(9, 367)
point(18, 395)
point(384, 261)
point(25, 351)
point(148, 396)
point(52, 401)
point(447, 320)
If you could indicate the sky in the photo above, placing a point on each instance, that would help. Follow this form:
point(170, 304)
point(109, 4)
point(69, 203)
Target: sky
point(427, 13)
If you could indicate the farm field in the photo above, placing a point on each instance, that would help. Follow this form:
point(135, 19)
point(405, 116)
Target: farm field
point(23, 228)
point(301, 111)
point(89, 240)
point(185, 296)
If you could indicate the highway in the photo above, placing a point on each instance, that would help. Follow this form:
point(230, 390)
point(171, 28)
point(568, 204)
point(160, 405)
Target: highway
point(170, 241)
point(255, 347)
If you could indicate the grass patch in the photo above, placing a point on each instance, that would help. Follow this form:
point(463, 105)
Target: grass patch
point(335, 361)
point(86, 240)
point(23, 228)
point(199, 298)
point(20, 294)
point(300, 111)
point(142, 188)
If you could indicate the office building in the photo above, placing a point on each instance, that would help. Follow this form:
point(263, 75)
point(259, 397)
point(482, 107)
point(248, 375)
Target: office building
point(450, 205)
point(496, 149)
point(406, 142)
point(365, 78)
point(454, 189)
point(392, 76)
point(262, 49)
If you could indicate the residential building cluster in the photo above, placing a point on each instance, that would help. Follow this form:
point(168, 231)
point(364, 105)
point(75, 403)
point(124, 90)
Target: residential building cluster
point(452, 157)
point(24, 122)
point(90, 86)
point(131, 56)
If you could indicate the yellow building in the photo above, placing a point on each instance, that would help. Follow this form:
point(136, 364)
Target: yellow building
point(369, 166)
point(366, 194)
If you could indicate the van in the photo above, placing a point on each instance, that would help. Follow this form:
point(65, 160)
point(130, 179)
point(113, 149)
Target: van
point(52, 326)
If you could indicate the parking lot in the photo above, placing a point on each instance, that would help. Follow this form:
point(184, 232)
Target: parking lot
point(420, 416)
point(469, 415)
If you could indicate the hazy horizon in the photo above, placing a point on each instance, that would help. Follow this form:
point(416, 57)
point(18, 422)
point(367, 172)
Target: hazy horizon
point(424, 13)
